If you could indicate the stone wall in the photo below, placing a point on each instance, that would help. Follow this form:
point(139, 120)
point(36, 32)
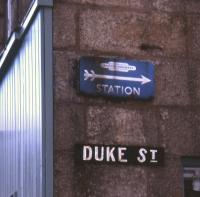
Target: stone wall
point(165, 32)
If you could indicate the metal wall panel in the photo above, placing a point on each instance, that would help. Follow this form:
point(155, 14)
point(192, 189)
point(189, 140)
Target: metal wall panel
point(21, 119)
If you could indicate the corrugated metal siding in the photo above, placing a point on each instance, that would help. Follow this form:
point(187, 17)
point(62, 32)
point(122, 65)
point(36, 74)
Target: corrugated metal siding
point(21, 119)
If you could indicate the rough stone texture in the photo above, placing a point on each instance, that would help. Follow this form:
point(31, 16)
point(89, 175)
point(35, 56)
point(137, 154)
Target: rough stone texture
point(1, 30)
point(168, 5)
point(64, 34)
point(193, 35)
point(125, 32)
point(64, 73)
point(115, 126)
point(177, 131)
point(172, 83)
point(112, 181)
point(194, 82)
point(1, 47)
point(192, 6)
point(138, 4)
point(63, 174)
point(168, 32)
point(166, 181)
point(1, 7)
point(69, 126)
point(196, 128)
point(112, 125)
point(117, 31)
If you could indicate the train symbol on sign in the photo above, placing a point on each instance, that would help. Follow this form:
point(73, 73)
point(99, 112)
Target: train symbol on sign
point(118, 66)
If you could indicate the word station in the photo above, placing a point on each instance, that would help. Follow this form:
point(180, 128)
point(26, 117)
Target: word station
point(117, 89)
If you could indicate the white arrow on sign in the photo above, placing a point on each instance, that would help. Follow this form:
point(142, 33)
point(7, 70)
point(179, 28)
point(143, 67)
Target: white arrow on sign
point(93, 76)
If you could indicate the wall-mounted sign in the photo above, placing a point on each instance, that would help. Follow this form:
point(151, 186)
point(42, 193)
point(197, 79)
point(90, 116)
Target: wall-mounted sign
point(116, 78)
point(134, 155)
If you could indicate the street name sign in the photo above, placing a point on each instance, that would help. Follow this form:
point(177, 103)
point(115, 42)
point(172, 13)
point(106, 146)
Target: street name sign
point(110, 154)
point(116, 78)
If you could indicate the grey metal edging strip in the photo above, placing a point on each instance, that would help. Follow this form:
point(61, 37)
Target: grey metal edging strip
point(48, 102)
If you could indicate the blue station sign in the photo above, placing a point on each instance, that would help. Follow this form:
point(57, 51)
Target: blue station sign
point(116, 78)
